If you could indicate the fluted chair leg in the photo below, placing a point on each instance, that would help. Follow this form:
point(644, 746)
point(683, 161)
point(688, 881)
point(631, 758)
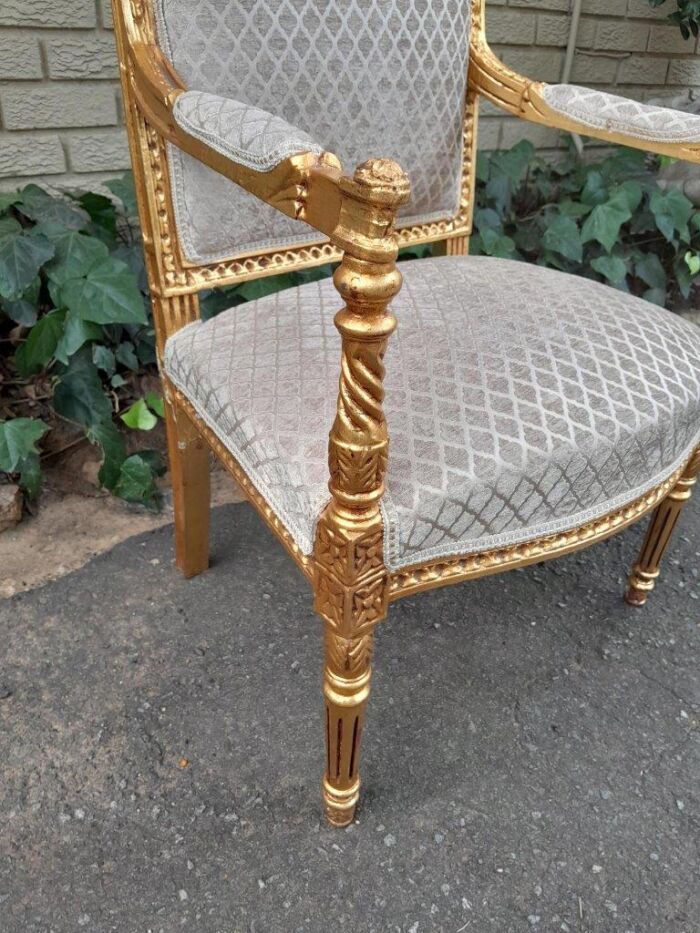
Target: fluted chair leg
point(346, 679)
point(646, 571)
point(189, 470)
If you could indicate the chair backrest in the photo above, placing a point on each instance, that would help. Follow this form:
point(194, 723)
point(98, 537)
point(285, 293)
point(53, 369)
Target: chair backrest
point(363, 77)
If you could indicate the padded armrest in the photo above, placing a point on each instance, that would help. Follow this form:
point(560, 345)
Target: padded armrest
point(599, 110)
point(251, 137)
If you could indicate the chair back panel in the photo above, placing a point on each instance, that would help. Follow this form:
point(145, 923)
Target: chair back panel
point(363, 77)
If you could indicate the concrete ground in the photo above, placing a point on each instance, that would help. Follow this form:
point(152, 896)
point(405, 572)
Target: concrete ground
point(530, 763)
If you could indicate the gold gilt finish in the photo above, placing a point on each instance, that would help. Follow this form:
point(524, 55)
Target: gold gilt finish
point(356, 221)
point(646, 570)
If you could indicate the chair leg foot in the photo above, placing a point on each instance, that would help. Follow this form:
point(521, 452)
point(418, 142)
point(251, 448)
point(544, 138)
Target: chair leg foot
point(189, 470)
point(646, 571)
point(346, 680)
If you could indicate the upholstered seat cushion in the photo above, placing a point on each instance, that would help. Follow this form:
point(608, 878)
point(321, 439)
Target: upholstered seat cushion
point(521, 401)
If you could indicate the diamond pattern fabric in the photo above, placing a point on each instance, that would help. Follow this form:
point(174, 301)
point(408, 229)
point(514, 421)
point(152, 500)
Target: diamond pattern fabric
point(363, 78)
point(521, 401)
point(618, 114)
point(251, 137)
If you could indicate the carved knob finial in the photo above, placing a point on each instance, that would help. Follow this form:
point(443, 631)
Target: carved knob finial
point(381, 181)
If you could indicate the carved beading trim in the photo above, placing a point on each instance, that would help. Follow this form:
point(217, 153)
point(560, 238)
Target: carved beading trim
point(429, 575)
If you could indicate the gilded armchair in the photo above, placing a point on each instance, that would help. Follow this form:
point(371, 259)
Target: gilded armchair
point(531, 413)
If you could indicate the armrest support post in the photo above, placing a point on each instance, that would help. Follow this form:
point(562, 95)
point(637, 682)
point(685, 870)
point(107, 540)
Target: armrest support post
point(351, 580)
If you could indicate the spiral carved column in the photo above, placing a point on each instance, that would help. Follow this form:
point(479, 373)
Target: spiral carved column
point(646, 571)
point(351, 581)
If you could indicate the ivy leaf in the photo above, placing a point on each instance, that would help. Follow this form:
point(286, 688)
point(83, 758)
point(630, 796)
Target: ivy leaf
point(9, 225)
point(604, 222)
point(8, 199)
point(103, 358)
point(612, 267)
point(656, 295)
point(108, 294)
point(487, 218)
point(18, 440)
point(672, 211)
point(496, 244)
point(110, 439)
point(594, 190)
point(21, 257)
point(139, 417)
point(79, 395)
point(40, 206)
point(76, 253)
point(648, 268)
point(136, 482)
point(23, 310)
point(75, 334)
point(39, 347)
point(30, 476)
point(124, 189)
point(101, 211)
point(155, 403)
point(562, 236)
point(692, 261)
point(126, 356)
point(631, 192)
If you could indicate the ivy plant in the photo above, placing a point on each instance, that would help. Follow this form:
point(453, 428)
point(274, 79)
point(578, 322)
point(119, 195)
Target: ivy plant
point(75, 330)
point(608, 220)
point(686, 17)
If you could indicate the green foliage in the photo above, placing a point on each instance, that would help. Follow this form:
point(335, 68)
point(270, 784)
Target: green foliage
point(74, 325)
point(19, 453)
point(607, 220)
point(686, 17)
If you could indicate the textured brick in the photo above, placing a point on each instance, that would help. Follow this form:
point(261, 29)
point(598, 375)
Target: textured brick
point(639, 10)
point(593, 69)
point(684, 72)
point(542, 65)
point(622, 36)
point(30, 154)
point(98, 151)
point(562, 5)
point(489, 133)
point(87, 56)
point(106, 17)
point(511, 27)
point(554, 30)
point(668, 39)
point(48, 13)
point(78, 104)
point(641, 69)
point(609, 7)
point(19, 56)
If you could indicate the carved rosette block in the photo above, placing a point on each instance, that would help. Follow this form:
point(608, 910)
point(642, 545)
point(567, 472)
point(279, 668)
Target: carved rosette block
point(646, 571)
point(351, 581)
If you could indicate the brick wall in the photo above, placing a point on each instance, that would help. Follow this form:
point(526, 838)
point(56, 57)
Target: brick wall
point(60, 110)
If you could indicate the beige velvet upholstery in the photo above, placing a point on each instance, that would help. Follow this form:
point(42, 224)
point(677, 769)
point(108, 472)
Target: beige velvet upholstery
point(521, 401)
point(600, 110)
point(361, 78)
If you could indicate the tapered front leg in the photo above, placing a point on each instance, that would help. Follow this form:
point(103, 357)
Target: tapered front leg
point(646, 571)
point(346, 680)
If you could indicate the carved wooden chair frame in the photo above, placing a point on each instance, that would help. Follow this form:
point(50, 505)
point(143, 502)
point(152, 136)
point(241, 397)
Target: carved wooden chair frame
point(355, 217)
